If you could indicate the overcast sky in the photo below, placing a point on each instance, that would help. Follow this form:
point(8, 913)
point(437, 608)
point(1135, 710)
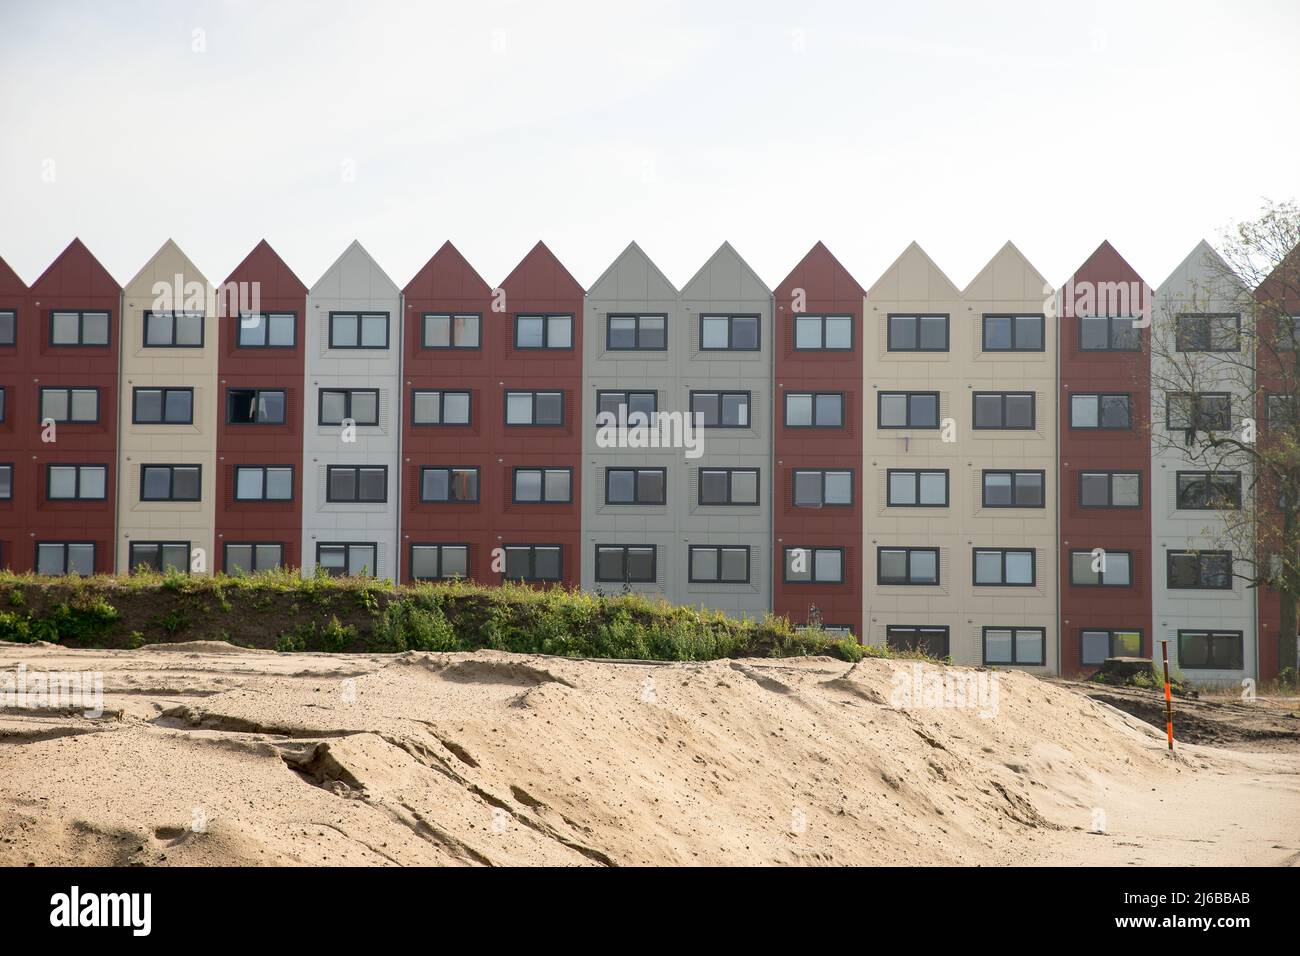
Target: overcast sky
point(773, 125)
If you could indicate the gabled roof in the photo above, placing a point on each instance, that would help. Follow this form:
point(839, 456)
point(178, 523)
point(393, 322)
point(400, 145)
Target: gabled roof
point(355, 255)
point(543, 275)
point(262, 260)
point(1203, 260)
point(447, 275)
point(188, 268)
point(715, 269)
point(11, 282)
point(1009, 275)
point(77, 265)
point(649, 282)
point(821, 269)
point(912, 263)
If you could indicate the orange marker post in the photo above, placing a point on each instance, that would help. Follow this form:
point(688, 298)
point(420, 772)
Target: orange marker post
point(1169, 699)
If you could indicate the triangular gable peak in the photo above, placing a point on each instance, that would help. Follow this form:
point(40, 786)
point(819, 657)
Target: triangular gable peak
point(822, 277)
point(11, 283)
point(75, 271)
point(355, 273)
point(541, 276)
point(726, 276)
point(1281, 289)
point(913, 276)
point(447, 275)
point(1105, 284)
point(164, 266)
point(634, 276)
point(1009, 277)
point(1203, 280)
point(263, 264)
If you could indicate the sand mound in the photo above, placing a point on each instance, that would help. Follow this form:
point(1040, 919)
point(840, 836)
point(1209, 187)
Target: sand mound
point(494, 758)
point(198, 647)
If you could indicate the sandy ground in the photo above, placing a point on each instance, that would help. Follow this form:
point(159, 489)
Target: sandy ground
point(211, 754)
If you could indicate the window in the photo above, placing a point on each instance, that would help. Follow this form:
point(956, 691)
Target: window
point(533, 562)
point(930, 641)
point(543, 485)
point(255, 406)
point(636, 408)
point(2, 403)
point(1110, 489)
point(1014, 489)
point(360, 405)
point(358, 330)
point(267, 330)
point(1211, 650)
point(914, 566)
point(74, 482)
point(1095, 645)
point(1015, 645)
point(918, 333)
point(814, 565)
point(162, 406)
point(817, 488)
point(6, 482)
point(439, 562)
point(1209, 491)
point(1198, 411)
point(1101, 333)
point(442, 330)
point(170, 482)
point(728, 486)
point(636, 486)
point(8, 327)
point(160, 556)
point(534, 408)
point(263, 482)
point(1113, 569)
point(1207, 333)
point(1013, 333)
point(625, 564)
point(636, 333)
point(712, 564)
point(1004, 410)
point(1200, 570)
point(1096, 410)
point(173, 330)
point(910, 488)
point(814, 409)
point(1003, 567)
point(1283, 411)
point(250, 558)
point(74, 405)
point(449, 485)
point(346, 559)
point(544, 331)
point(907, 410)
point(828, 333)
point(736, 333)
point(722, 409)
point(356, 483)
point(433, 407)
point(57, 558)
point(1286, 333)
point(78, 328)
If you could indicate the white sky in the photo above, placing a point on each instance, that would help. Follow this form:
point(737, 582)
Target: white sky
point(865, 125)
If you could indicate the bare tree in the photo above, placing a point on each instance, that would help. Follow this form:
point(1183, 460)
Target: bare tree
point(1225, 377)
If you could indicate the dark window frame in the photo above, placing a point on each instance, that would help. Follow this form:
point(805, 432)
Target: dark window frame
point(1207, 475)
point(722, 394)
point(1002, 405)
point(1004, 552)
point(10, 466)
point(916, 475)
point(627, 394)
point(1110, 633)
point(534, 392)
point(1101, 581)
point(917, 317)
point(1195, 413)
point(546, 331)
point(785, 409)
point(1014, 473)
point(719, 548)
point(1207, 317)
point(907, 582)
point(796, 317)
point(78, 465)
point(40, 403)
point(257, 393)
point(1015, 645)
point(266, 317)
point(730, 473)
point(1214, 634)
point(1200, 570)
point(1110, 332)
point(81, 342)
point(348, 393)
point(440, 546)
point(822, 473)
point(541, 470)
point(919, 630)
point(357, 469)
point(163, 391)
point(227, 545)
point(234, 485)
point(731, 331)
point(442, 405)
point(1110, 488)
point(347, 547)
point(132, 564)
point(812, 554)
point(174, 313)
point(1099, 396)
point(626, 577)
point(984, 330)
point(63, 547)
point(13, 342)
point(938, 411)
point(635, 469)
point(361, 314)
point(171, 480)
point(531, 577)
point(451, 470)
point(609, 326)
point(451, 334)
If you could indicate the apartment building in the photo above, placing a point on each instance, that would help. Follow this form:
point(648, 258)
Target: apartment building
point(532, 412)
point(1201, 381)
point(260, 371)
point(167, 418)
point(817, 470)
point(1104, 474)
point(352, 427)
point(959, 513)
point(452, 485)
point(58, 426)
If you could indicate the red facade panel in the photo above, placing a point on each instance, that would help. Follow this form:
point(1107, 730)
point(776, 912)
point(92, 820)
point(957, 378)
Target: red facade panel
point(262, 283)
point(74, 283)
point(818, 285)
point(1104, 285)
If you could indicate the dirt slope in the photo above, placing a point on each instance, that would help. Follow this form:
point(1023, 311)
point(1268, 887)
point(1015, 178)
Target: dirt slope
point(210, 754)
